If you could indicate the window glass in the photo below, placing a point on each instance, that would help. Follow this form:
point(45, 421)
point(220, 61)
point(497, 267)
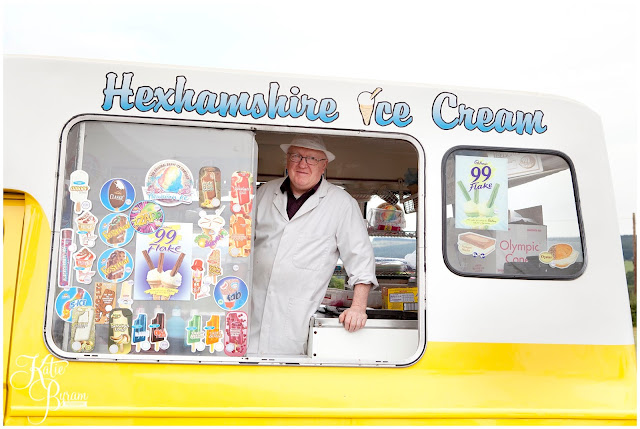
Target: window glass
point(511, 214)
point(152, 250)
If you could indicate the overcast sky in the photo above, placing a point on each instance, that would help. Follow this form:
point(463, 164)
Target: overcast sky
point(584, 50)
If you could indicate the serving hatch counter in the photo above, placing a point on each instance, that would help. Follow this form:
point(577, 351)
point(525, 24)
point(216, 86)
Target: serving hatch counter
point(393, 337)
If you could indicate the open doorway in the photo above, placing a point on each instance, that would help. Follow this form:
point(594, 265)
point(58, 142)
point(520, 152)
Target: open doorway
point(381, 174)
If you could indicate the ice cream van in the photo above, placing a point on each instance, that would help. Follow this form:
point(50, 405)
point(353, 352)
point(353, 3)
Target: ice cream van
point(129, 225)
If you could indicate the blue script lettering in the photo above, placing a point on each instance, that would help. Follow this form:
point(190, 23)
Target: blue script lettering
point(180, 98)
point(124, 92)
point(484, 119)
point(398, 114)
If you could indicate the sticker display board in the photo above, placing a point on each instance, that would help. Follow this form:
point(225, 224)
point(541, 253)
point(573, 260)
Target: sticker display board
point(152, 246)
point(481, 193)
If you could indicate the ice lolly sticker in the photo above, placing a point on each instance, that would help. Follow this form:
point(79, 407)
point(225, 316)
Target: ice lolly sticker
point(213, 333)
point(139, 331)
point(241, 192)
point(481, 193)
point(366, 101)
point(146, 217)
point(214, 269)
point(235, 338)
point(169, 183)
point(120, 331)
point(115, 230)
point(158, 332)
point(70, 299)
point(105, 299)
point(117, 195)
point(209, 187)
point(64, 257)
point(213, 233)
point(163, 262)
point(86, 223)
point(83, 335)
point(240, 236)
point(195, 333)
point(231, 293)
point(198, 289)
point(78, 189)
point(126, 292)
point(82, 263)
point(115, 265)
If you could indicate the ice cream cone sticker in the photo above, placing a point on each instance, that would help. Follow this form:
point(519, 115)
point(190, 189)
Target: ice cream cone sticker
point(367, 101)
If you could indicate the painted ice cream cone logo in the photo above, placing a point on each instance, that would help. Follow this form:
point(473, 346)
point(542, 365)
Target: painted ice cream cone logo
point(367, 101)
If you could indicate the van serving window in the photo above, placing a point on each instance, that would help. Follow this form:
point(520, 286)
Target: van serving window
point(154, 244)
point(511, 214)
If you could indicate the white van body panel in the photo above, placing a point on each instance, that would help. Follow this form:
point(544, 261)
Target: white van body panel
point(41, 96)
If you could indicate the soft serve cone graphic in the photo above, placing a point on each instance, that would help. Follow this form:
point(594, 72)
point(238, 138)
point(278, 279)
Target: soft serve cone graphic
point(366, 100)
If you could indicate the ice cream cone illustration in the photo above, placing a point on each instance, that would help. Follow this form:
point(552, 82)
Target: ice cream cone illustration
point(171, 280)
point(154, 274)
point(366, 100)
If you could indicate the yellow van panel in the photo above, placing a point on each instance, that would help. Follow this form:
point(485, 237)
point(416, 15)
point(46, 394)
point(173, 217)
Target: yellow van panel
point(12, 221)
point(113, 421)
point(453, 383)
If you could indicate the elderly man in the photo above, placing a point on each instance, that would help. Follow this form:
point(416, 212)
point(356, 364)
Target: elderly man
point(303, 223)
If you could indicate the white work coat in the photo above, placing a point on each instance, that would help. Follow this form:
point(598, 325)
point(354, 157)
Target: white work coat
point(295, 259)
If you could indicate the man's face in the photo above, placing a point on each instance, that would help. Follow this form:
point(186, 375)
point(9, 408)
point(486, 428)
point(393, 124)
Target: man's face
point(302, 175)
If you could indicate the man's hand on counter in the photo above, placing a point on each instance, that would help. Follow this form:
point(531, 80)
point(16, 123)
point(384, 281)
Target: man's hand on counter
point(355, 317)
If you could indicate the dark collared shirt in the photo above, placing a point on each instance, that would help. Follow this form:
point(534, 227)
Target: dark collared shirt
point(293, 203)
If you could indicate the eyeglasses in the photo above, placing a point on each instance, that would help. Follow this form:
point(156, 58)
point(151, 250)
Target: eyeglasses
point(311, 160)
